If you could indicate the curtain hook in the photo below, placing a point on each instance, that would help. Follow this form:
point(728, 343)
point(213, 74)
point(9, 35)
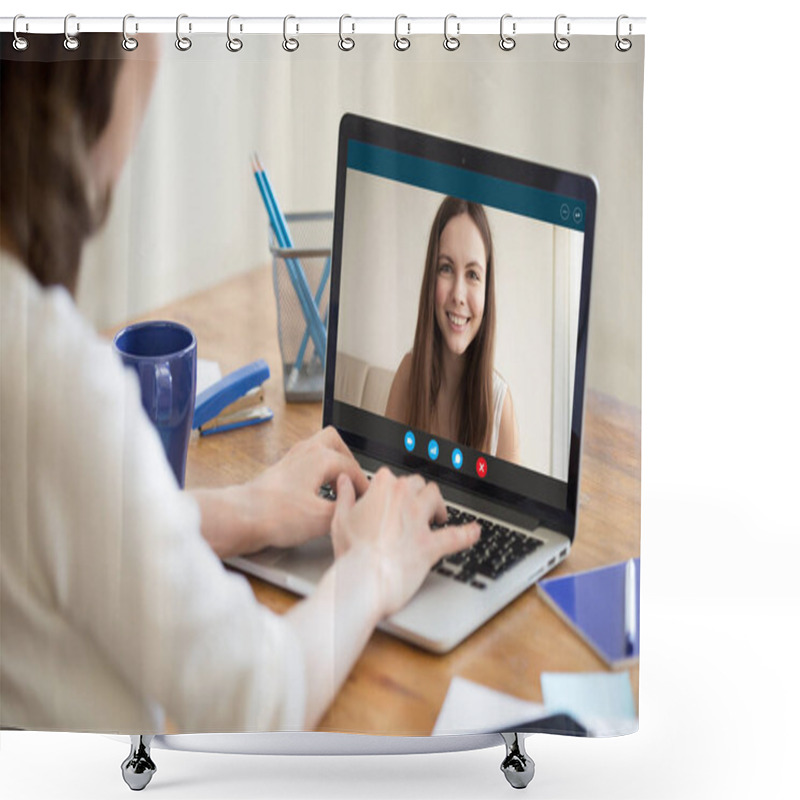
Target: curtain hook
point(71, 42)
point(623, 45)
point(561, 43)
point(20, 42)
point(401, 42)
point(346, 42)
point(507, 42)
point(289, 44)
point(182, 42)
point(451, 42)
point(234, 45)
point(129, 43)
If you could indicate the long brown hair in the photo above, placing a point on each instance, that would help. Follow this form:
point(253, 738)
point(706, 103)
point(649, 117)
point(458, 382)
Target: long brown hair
point(53, 107)
point(474, 411)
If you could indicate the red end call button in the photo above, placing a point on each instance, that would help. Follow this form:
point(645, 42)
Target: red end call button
point(481, 467)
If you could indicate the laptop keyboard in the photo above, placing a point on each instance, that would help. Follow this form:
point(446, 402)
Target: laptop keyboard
point(498, 549)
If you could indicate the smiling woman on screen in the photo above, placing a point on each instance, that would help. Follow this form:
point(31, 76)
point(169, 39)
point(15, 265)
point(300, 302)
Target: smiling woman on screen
point(447, 385)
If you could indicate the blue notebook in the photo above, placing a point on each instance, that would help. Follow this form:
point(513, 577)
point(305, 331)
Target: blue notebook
point(593, 604)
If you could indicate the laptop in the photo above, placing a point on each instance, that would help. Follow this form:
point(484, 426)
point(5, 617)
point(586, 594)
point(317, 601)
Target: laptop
point(523, 486)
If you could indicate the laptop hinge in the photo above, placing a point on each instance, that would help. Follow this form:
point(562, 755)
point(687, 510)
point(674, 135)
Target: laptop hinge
point(454, 495)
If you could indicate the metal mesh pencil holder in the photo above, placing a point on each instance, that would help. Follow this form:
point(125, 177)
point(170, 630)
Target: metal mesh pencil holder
point(303, 366)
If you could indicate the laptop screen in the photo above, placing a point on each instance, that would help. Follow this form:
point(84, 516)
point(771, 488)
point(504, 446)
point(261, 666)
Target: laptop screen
point(459, 303)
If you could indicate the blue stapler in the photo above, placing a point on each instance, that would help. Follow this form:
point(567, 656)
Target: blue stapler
point(233, 402)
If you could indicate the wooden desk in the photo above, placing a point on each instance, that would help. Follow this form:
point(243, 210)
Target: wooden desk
point(395, 687)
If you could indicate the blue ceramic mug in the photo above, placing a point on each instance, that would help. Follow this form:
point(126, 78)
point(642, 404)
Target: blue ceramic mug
point(164, 355)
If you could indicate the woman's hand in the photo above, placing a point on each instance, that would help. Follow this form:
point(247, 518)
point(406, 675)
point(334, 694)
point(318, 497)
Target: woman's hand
point(384, 548)
point(285, 497)
point(390, 526)
point(282, 506)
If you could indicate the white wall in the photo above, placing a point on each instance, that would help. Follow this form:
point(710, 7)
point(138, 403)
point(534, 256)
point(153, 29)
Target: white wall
point(187, 213)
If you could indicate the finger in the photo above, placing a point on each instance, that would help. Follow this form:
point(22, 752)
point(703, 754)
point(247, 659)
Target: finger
point(383, 477)
point(432, 503)
point(319, 515)
point(415, 483)
point(345, 495)
point(452, 539)
point(345, 500)
point(330, 437)
point(334, 464)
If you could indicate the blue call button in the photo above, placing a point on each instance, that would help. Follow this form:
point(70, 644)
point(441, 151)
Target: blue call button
point(409, 441)
point(457, 458)
point(433, 449)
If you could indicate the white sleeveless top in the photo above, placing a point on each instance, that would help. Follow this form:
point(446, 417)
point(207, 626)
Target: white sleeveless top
point(499, 389)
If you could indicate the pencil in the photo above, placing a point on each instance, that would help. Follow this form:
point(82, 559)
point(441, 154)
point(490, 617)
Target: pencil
point(296, 273)
point(317, 298)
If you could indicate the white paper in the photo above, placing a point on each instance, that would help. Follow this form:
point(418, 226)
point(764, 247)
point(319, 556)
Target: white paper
point(472, 708)
point(208, 373)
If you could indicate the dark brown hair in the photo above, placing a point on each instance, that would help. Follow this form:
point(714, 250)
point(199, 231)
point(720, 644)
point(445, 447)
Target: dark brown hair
point(54, 105)
point(474, 412)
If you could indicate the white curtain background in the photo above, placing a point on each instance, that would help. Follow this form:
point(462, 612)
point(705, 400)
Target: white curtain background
point(187, 214)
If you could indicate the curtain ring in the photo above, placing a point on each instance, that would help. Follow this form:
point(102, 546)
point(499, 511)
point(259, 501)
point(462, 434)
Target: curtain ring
point(346, 42)
point(401, 42)
point(129, 43)
point(234, 45)
point(20, 42)
point(451, 42)
point(182, 42)
point(561, 43)
point(289, 44)
point(70, 42)
point(623, 45)
point(507, 42)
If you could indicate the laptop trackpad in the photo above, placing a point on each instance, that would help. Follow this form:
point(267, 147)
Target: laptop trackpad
point(307, 563)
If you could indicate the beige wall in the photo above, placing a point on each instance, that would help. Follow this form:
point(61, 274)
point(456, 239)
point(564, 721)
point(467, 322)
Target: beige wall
point(187, 213)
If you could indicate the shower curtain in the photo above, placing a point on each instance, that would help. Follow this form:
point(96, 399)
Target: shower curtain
point(187, 236)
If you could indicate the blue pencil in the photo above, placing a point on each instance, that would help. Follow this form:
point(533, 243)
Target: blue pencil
point(317, 297)
point(296, 273)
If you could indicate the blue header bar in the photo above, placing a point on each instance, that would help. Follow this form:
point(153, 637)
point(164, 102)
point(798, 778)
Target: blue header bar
point(466, 184)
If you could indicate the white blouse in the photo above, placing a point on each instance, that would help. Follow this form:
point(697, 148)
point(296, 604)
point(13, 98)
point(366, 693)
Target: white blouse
point(114, 611)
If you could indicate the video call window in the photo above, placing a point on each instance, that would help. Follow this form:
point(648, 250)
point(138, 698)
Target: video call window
point(399, 320)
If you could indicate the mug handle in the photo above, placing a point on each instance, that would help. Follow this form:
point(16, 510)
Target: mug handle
point(162, 401)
